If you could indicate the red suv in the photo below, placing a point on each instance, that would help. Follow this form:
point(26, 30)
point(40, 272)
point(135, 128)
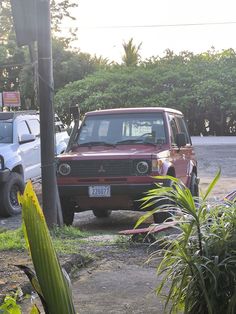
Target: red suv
point(112, 158)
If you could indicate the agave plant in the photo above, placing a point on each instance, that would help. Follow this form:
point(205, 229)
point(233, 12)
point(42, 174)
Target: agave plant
point(50, 282)
point(198, 264)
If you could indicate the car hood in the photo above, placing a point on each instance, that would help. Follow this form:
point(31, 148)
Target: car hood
point(6, 148)
point(119, 151)
point(7, 151)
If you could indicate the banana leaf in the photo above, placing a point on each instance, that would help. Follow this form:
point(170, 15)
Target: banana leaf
point(53, 284)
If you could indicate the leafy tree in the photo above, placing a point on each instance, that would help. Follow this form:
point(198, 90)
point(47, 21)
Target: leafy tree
point(202, 86)
point(15, 62)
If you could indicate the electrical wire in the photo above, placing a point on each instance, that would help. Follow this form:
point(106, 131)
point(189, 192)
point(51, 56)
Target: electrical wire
point(155, 25)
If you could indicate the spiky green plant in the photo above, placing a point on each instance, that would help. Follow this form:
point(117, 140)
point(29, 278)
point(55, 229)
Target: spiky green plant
point(10, 305)
point(198, 263)
point(50, 282)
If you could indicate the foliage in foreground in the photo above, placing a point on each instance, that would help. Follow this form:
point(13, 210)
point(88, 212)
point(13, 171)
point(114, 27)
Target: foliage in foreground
point(52, 285)
point(198, 263)
point(10, 305)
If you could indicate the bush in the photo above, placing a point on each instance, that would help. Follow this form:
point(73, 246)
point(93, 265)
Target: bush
point(198, 263)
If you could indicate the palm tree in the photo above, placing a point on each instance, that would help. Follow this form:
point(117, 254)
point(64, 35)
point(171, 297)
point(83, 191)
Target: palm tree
point(131, 56)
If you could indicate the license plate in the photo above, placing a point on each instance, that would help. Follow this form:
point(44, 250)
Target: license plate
point(99, 191)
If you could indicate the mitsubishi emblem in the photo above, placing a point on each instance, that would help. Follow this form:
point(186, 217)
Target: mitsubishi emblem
point(101, 169)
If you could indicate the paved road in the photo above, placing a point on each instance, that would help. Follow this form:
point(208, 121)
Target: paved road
point(213, 140)
point(216, 152)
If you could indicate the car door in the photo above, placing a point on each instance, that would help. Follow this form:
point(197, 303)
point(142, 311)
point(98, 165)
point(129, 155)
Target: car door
point(187, 151)
point(180, 155)
point(29, 152)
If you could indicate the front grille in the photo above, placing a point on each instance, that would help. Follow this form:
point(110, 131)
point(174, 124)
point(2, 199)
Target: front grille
point(101, 168)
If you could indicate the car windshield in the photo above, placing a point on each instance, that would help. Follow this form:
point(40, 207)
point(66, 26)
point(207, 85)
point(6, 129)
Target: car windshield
point(123, 129)
point(5, 132)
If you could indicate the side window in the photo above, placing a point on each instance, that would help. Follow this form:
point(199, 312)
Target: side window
point(22, 129)
point(173, 129)
point(183, 128)
point(34, 126)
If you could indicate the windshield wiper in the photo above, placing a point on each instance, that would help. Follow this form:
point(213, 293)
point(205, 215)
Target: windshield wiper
point(138, 141)
point(95, 143)
point(129, 141)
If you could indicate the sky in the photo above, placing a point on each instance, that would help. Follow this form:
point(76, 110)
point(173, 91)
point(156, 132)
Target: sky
point(104, 25)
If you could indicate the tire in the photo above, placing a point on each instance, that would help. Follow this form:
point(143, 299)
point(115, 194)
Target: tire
point(194, 189)
point(102, 213)
point(160, 217)
point(9, 205)
point(68, 210)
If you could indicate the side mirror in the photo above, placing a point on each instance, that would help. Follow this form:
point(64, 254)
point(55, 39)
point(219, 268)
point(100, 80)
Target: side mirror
point(181, 139)
point(26, 138)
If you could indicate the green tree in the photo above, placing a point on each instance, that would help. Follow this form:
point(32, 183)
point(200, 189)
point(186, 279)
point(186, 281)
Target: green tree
point(68, 66)
point(201, 86)
point(15, 64)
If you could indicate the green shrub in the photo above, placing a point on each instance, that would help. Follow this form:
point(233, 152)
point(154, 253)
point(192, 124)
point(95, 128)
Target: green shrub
point(10, 305)
point(198, 263)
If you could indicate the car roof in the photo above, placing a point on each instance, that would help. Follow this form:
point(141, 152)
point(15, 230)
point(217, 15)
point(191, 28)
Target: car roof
point(13, 114)
point(132, 110)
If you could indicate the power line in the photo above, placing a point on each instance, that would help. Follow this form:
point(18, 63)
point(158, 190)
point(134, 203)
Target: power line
point(156, 25)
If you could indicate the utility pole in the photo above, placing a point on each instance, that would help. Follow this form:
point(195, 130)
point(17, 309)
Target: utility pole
point(32, 23)
point(46, 89)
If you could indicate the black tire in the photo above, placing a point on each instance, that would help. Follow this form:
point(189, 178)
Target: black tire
point(68, 210)
point(9, 205)
point(194, 189)
point(102, 213)
point(160, 217)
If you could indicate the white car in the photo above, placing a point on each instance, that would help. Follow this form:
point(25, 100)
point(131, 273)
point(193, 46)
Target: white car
point(20, 155)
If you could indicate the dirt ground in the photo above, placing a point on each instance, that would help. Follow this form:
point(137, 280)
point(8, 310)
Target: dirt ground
point(119, 280)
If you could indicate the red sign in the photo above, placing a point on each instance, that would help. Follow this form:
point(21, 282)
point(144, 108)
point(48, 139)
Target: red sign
point(11, 99)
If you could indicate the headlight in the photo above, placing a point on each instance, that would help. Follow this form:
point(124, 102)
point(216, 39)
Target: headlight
point(157, 165)
point(142, 167)
point(64, 169)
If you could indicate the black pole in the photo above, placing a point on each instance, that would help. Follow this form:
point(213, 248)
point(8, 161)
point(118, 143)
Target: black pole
point(49, 191)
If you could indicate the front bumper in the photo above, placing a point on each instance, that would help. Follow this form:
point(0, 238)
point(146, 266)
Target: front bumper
point(122, 196)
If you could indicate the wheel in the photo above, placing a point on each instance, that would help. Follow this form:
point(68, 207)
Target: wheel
point(160, 217)
point(68, 210)
point(194, 185)
point(8, 195)
point(102, 213)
